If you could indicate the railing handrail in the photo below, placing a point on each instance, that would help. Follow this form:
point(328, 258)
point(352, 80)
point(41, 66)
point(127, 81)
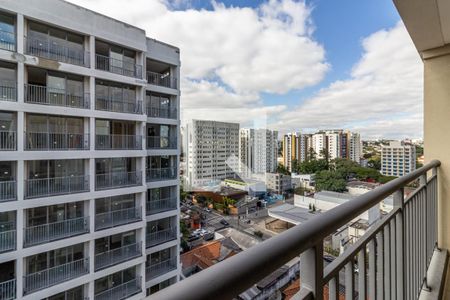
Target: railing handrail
point(85, 259)
point(55, 178)
point(118, 60)
point(57, 222)
point(35, 35)
point(63, 91)
point(122, 100)
point(244, 269)
point(136, 280)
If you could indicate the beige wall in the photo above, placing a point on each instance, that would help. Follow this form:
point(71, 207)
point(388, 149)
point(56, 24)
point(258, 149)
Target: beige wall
point(437, 129)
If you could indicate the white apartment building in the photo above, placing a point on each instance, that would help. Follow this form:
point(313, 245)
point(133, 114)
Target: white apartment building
point(398, 158)
point(338, 144)
point(354, 146)
point(319, 143)
point(212, 152)
point(89, 149)
point(258, 150)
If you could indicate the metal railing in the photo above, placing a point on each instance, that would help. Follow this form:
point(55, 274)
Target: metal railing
point(52, 48)
point(118, 142)
point(160, 236)
point(161, 142)
point(56, 141)
point(8, 140)
point(7, 41)
point(45, 233)
point(8, 290)
point(159, 112)
point(117, 217)
point(128, 106)
point(55, 275)
point(42, 187)
point(8, 240)
point(117, 66)
point(118, 180)
point(8, 90)
point(118, 255)
point(8, 190)
point(389, 261)
point(161, 205)
point(161, 174)
point(121, 291)
point(160, 268)
point(161, 80)
point(41, 94)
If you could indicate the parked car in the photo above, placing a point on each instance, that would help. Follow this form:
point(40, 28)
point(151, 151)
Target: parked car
point(224, 222)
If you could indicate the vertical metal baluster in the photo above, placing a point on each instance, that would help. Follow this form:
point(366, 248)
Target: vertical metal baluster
point(362, 284)
point(349, 280)
point(387, 261)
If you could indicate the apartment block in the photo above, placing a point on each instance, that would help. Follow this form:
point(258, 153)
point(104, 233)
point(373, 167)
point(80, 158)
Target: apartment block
point(295, 147)
point(337, 144)
point(89, 122)
point(258, 151)
point(398, 158)
point(278, 183)
point(212, 152)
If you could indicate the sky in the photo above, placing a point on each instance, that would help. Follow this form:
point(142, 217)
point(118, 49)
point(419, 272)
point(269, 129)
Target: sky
point(299, 65)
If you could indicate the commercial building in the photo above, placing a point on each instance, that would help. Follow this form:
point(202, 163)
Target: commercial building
point(88, 155)
point(258, 151)
point(398, 158)
point(212, 152)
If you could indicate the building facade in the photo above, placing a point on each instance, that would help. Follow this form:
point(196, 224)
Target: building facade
point(398, 158)
point(295, 148)
point(278, 183)
point(89, 149)
point(212, 152)
point(258, 150)
point(337, 144)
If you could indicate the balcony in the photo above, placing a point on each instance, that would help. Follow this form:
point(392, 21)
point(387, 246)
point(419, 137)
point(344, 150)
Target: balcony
point(40, 94)
point(8, 190)
point(121, 291)
point(117, 256)
point(7, 42)
point(55, 275)
point(160, 236)
point(129, 106)
point(118, 180)
point(41, 141)
point(52, 48)
point(389, 261)
point(45, 233)
point(161, 174)
point(164, 80)
point(8, 237)
point(161, 142)
point(161, 112)
point(158, 269)
point(8, 140)
point(8, 290)
point(44, 187)
point(117, 66)
point(118, 142)
point(117, 217)
point(8, 90)
point(161, 205)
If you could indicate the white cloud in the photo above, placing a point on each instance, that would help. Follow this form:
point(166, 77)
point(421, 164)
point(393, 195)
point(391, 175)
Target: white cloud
point(383, 97)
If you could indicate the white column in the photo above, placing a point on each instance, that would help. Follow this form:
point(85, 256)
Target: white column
point(92, 51)
point(20, 26)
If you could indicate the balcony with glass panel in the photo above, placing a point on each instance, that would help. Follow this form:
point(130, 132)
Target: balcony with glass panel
point(160, 263)
point(8, 285)
point(161, 199)
point(161, 74)
point(161, 168)
point(50, 223)
point(55, 177)
point(161, 231)
point(115, 59)
point(47, 87)
point(117, 172)
point(7, 32)
point(55, 44)
point(116, 211)
point(8, 131)
point(54, 267)
point(54, 133)
point(161, 136)
point(117, 135)
point(160, 106)
point(8, 184)
point(116, 249)
point(8, 233)
point(118, 286)
point(116, 97)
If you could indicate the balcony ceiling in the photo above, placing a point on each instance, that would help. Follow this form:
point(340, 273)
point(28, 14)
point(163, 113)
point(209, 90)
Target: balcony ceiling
point(427, 21)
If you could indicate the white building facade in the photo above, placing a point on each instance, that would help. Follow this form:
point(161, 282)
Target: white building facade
point(89, 149)
point(258, 150)
point(398, 158)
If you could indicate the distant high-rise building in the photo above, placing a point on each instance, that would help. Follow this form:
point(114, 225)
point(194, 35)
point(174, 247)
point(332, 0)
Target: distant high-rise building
point(354, 146)
point(295, 147)
point(258, 150)
point(337, 144)
point(209, 147)
point(319, 144)
point(398, 158)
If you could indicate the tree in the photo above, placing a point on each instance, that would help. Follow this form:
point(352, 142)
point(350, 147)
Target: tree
point(330, 181)
point(282, 170)
point(295, 166)
point(311, 154)
point(313, 166)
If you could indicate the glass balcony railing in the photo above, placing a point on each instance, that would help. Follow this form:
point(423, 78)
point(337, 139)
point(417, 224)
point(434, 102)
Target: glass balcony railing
point(161, 205)
point(8, 190)
point(160, 236)
point(161, 80)
point(8, 140)
point(121, 291)
point(118, 180)
point(55, 275)
point(7, 41)
point(129, 106)
point(118, 142)
point(161, 112)
point(161, 174)
point(117, 256)
point(160, 268)
point(117, 217)
point(8, 90)
point(43, 187)
point(8, 290)
point(161, 142)
point(38, 141)
point(40, 94)
point(117, 66)
point(45, 233)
